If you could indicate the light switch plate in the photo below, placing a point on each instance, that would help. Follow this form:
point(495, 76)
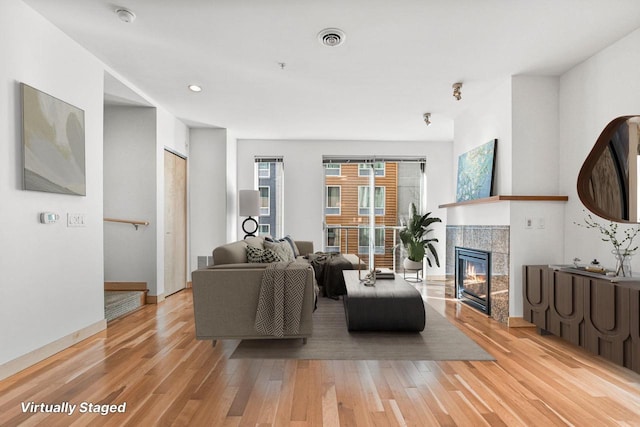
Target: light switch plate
point(76, 220)
point(528, 223)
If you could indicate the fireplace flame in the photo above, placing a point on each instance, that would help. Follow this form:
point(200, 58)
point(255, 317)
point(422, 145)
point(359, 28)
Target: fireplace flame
point(471, 272)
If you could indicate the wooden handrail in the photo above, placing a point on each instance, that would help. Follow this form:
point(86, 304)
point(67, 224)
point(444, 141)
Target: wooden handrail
point(135, 223)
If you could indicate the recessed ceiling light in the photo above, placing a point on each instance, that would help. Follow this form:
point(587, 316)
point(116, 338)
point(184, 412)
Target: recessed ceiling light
point(331, 37)
point(195, 88)
point(125, 15)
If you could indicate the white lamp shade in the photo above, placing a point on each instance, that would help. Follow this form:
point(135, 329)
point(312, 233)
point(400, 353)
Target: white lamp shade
point(249, 202)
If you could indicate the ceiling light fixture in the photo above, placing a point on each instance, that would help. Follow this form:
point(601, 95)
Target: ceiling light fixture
point(427, 118)
point(195, 88)
point(331, 37)
point(457, 94)
point(125, 15)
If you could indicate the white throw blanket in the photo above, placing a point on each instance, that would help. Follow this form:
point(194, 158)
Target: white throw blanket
point(281, 297)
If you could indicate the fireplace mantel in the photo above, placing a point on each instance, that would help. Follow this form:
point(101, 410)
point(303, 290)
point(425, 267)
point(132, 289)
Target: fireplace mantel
point(506, 198)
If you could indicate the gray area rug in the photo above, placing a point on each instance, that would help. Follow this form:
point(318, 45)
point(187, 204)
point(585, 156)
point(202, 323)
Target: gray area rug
point(440, 340)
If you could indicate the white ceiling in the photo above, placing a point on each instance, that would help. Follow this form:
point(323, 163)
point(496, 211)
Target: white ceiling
point(399, 60)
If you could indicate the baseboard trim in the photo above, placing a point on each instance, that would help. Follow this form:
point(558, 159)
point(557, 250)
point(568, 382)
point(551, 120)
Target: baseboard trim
point(125, 286)
point(38, 355)
point(519, 322)
point(155, 299)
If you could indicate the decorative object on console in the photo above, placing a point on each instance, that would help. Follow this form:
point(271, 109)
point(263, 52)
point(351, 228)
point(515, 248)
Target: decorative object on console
point(623, 248)
point(623, 263)
point(249, 206)
point(54, 144)
point(476, 172)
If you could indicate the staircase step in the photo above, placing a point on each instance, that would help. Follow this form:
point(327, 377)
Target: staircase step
point(119, 303)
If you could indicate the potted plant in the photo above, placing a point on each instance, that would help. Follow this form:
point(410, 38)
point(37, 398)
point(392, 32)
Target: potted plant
point(414, 237)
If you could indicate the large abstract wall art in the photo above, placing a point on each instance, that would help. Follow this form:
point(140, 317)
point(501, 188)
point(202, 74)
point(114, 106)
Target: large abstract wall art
point(53, 139)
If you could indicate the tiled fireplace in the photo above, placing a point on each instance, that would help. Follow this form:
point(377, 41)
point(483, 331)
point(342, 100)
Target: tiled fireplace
point(494, 240)
point(473, 278)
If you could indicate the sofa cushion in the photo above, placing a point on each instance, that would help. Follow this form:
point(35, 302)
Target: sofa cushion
point(231, 253)
point(261, 255)
point(305, 247)
point(282, 249)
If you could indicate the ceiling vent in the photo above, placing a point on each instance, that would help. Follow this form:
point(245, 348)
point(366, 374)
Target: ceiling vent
point(331, 37)
point(125, 15)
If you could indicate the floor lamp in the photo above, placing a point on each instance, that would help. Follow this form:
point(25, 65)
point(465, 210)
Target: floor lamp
point(249, 206)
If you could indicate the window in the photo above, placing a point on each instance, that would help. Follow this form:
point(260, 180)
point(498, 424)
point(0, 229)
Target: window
point(364, 169)
point(372, 192)
point(264, 229)
point(333, 200)
point(264, 170)
point(363, 241)
point(265, 201)
point(269, 181)
point(363, 200)
point(332, 169)
point(332, 239)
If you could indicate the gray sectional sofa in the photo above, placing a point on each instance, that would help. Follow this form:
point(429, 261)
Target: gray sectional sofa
point(225, 295)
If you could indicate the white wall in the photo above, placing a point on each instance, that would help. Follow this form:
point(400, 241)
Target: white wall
point(479, 124)
point(531, 246)
point(522, 114)
point(534, 172)
point(232, 186)
point(304, 179)
point(592, 94)
point(130, 193)
point(534, 138)
point(51, 282)
point(208, 184)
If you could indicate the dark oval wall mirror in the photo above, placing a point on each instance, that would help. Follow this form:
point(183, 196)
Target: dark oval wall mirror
point(608, 179)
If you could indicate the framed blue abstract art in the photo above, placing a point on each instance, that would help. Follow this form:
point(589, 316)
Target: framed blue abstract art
point(476, 171)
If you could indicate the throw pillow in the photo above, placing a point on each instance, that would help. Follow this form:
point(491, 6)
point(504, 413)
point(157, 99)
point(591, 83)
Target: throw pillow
point(282, 249)
point(261, 255)
point(256, 242)
point(289, 240)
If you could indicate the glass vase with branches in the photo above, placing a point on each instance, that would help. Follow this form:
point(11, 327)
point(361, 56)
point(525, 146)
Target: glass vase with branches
point(623, 246)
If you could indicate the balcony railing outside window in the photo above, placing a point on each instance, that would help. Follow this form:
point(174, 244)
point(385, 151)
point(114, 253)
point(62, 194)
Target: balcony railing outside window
point(348, 239)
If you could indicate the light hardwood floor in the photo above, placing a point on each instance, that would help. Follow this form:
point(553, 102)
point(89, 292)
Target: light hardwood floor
point(151, 361)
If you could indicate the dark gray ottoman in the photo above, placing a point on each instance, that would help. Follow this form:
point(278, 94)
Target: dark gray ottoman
point(390, 305)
